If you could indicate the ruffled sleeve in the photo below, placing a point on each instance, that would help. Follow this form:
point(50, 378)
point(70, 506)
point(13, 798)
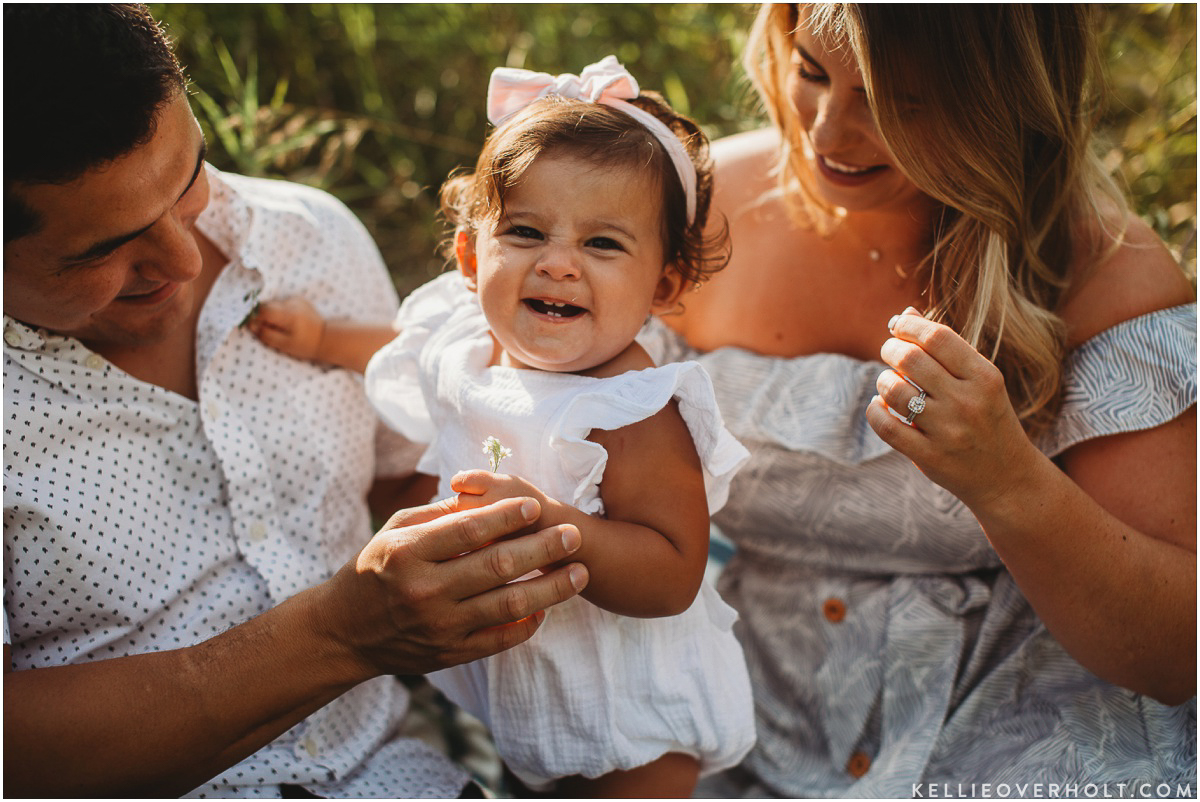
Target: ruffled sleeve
point(631, 397)
point(392, 377)
point(1137, 375)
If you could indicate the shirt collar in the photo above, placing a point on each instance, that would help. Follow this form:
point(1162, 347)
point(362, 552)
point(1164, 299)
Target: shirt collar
point(229, 221)
point(23, 337)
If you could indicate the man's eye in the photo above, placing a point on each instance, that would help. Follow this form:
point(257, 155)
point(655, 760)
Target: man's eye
point(84, 264)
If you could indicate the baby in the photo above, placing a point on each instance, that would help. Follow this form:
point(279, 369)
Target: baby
point(585, 214)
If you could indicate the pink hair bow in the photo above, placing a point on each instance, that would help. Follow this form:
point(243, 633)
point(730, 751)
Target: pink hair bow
point(606, 82)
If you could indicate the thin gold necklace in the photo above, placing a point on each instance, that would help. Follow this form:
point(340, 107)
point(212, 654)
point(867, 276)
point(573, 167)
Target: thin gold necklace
point(874, 253)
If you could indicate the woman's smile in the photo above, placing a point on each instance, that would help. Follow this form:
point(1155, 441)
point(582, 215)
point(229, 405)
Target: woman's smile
point(845, 174)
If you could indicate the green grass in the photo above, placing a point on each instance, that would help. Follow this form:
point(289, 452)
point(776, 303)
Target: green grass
point(378, 103)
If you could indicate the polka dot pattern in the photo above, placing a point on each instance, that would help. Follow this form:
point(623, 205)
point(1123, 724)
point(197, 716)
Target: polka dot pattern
point(137, 520)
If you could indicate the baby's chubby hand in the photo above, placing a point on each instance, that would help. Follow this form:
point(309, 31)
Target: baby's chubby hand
point(478, 488)
point(292, 326)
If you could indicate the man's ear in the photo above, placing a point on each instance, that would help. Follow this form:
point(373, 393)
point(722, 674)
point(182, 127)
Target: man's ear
point(666, 293)
point(464, 254)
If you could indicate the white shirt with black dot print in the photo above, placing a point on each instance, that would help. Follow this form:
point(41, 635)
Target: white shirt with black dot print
point(137, 520)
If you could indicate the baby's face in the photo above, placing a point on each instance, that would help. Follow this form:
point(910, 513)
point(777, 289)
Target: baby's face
point(570, 273)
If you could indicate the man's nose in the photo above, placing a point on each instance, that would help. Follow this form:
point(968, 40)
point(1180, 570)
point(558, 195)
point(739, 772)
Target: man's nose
point(170, 251)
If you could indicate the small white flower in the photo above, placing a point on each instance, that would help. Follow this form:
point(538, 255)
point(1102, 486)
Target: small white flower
point(497, 452)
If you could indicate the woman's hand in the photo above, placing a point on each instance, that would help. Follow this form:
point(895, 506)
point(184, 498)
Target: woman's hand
point(967, 438)
point(1108, 564)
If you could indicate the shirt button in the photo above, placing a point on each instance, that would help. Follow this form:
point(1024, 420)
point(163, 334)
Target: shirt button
point(212, 410)
point(258, 530)
point(12, 337)
point(834, 609)
point(94, 362)
point(857, 765)
point(310, 746)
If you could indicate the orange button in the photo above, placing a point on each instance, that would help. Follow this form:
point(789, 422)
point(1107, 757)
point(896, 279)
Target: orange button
point(857, 765)
point(834, 609)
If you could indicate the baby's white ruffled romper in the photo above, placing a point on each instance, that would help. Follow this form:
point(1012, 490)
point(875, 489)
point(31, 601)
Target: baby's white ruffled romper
point(592, 691)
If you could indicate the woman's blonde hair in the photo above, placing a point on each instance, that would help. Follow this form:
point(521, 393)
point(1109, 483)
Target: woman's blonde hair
point(988, 109)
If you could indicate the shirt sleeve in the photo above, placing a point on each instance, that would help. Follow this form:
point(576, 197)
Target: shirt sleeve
point(1137, 375)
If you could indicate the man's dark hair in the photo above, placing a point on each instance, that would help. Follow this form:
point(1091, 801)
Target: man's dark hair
point(82, 86)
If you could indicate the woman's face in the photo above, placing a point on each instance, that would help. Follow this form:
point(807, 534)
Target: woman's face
point(851, 164)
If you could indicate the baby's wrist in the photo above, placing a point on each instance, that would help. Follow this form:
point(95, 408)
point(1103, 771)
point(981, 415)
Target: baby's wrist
point(320, 344)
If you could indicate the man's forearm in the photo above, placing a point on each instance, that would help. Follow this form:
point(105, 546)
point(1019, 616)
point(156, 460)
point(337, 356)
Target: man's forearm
point(160, 724)
point(434, 588)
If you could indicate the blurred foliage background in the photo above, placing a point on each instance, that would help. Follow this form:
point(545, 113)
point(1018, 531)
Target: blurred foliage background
point(379, 103)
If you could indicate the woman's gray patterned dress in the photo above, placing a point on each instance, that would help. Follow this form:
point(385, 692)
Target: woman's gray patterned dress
point(889, 648)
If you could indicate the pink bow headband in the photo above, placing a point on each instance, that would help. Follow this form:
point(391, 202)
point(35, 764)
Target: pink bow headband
point(605, 82)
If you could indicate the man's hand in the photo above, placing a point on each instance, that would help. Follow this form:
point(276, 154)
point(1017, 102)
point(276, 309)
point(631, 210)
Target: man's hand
point(427, 592)
point(431, 590)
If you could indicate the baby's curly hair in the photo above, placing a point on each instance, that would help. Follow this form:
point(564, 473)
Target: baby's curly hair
point(605, 137)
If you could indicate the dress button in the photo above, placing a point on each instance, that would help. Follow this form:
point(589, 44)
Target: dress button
point(212, 410)
point(834, 609)
point(857, 765)
point(310, 746)
point(94, 362)
point(12, 337)
point(258, 530)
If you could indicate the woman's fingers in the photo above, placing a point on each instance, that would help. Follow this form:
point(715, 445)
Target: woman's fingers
point(902, 397)
point(918, 346)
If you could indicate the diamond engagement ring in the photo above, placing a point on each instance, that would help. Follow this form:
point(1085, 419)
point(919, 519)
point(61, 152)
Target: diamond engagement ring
point(916, 405)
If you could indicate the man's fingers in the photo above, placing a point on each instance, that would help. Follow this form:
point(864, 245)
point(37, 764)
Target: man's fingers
point(512, 558)
point(517, 601)
point(420, 515)
point(454, 533)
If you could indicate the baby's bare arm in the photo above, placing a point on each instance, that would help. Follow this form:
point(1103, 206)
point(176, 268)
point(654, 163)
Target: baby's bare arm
point(647, 557)
point(294, 327)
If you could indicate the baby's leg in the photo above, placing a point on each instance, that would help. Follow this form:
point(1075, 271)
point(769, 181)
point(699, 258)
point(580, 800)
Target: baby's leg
point(672, 776)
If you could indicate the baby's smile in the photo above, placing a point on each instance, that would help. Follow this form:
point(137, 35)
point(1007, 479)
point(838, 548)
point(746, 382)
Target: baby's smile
point(553, 308)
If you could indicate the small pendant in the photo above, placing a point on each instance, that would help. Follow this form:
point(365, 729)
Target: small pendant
point(875, 254)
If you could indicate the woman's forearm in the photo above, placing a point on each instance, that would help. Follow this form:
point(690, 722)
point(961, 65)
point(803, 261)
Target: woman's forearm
point(1120, 600)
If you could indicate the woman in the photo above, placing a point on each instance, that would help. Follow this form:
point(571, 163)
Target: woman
point(975, 562)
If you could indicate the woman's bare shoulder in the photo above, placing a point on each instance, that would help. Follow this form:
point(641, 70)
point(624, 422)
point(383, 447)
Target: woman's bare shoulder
point(744, 165)
point(1134, 277)
point(747, 149)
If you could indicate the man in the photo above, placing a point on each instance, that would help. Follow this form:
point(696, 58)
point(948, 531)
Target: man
point(193, 600)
